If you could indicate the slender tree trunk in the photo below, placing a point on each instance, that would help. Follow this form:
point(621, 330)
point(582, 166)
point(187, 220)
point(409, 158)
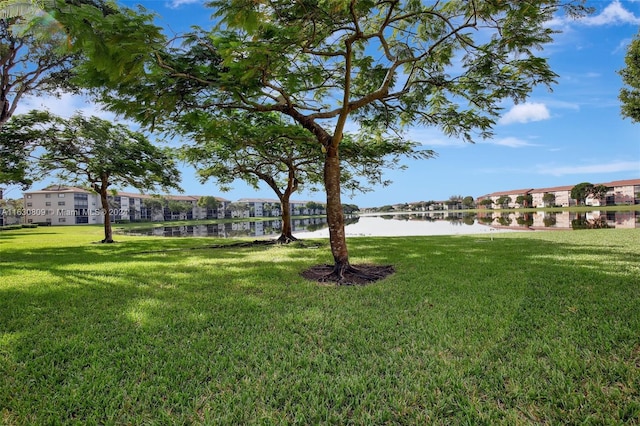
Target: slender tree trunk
point(335, 215)
point(286, 236)
point(108, 233)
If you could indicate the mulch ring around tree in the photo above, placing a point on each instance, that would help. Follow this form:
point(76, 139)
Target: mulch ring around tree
point(356, 275)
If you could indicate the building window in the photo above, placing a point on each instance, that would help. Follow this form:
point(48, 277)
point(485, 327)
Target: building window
point(48, 203)
point(29, 204)
point(62, 219)
point(61, 203)
point(60, 195)
point(28, 195)
point(47, 195)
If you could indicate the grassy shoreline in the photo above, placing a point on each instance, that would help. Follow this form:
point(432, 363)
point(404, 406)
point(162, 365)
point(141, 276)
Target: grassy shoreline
point(523, 329)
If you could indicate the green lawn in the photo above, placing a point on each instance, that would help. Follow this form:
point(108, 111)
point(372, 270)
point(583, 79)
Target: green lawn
point(528, 328)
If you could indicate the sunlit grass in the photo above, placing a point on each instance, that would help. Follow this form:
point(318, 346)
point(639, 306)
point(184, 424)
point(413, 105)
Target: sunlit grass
point(527, 328)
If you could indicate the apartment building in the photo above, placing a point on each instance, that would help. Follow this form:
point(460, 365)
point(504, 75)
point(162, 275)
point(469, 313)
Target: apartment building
point(70, 205)
point(619, 193)
point(269, 207)
point(624, 191)
point(553, 196)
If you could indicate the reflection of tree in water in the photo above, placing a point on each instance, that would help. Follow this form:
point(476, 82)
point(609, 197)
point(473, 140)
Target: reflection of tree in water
point(581, 223)
point(550, 220)
point(469, 219)
point(524, 220)
point(240, 229)
point(453, 220)
point(351, 220)
point(485, 219)
point(504, 220)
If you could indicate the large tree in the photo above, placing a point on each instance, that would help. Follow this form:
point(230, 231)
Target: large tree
point(284, 155)
point(599, 192)
point(630, 94)
point(378, 64)
point(43, 44)
point(581, 191)
point(95, 152)
point(34, 56)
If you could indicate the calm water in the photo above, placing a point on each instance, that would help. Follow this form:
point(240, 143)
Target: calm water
point(265, 228)
point(409, 224)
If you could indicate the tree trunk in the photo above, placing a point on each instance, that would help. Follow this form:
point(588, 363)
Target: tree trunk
point(335, 215)
point(286, 236)
point(108, 233)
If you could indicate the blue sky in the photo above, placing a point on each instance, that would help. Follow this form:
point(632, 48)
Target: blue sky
point(571, 134)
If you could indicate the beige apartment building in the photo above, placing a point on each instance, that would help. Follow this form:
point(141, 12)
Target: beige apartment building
point(70, 205)
point(620, 192)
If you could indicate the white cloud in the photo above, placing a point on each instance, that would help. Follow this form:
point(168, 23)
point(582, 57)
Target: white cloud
point(510, 142)
point(524, 113)
point(618, 166)
point(174, 4)
point(614, 13)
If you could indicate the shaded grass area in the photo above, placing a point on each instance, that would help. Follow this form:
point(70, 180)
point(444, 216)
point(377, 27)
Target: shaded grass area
point(522, 329)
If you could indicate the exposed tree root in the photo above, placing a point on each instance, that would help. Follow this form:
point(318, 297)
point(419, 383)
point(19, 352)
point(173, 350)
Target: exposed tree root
point(255, 243)
point(286, 239)
point(348, 274)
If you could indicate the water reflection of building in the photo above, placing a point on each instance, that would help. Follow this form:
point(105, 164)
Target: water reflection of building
point(264, 228)
point(561, 220)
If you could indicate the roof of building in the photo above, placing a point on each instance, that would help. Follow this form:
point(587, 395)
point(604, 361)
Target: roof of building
point(553, 189)
point(627, 182)
point(75, 189)
point(510, 192)
point(61, 188)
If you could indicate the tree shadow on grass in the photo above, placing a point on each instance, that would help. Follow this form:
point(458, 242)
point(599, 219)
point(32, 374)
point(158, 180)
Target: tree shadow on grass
point(463, 331)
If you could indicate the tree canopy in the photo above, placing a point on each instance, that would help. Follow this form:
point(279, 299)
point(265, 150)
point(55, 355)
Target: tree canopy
point(266, 148)
point(34, 58)
point(93, 151)
point(630, 93)
point(45, 46)
point(581, 191)
point(374, 65)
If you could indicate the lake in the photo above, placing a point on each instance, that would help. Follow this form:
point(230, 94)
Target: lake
point(410, 224)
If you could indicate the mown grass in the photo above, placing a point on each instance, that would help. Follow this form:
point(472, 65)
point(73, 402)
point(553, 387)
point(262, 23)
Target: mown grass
point(526, 328)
